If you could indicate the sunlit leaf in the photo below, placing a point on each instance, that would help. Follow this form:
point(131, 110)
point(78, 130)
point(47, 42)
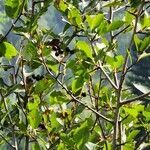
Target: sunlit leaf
point(7, 50)
point(132, 135)
point(91, 146)
point(128, 18)
point(115, 25)
point(12, 7)
point(147, 115)
point(94, 21)
point(74, 16)
point(145, 44)
point(54, 123)
point(81, 134)
point(115, 62)
point(113, 4)
point(77, 84)
point(34, 115)
point(85, 47)
point(34, 118)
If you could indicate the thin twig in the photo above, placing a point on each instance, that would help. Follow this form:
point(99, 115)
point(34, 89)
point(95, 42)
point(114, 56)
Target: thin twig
point(11, 122)
point(7, 141)
point(71, 94)
point(138, 98)
point(13, 24)
point(120, 31)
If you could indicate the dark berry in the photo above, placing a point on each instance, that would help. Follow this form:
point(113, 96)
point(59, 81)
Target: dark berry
point(72, 52)
point(42, 126)
point(38, 77)
point(5, 69)
point(33, 76)
point(83, 94)
point(55, 42)
point(60, 52)
point(29, 80)
point(55, 48)
point(67, 49)
point(57, 53)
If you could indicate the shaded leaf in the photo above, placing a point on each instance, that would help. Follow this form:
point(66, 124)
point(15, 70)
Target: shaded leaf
point(30, 51)
point(57, 97)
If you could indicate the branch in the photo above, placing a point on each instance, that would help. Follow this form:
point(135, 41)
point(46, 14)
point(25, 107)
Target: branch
point(138, 98)
point(102, 69)
point(121, 31)
point(7, 141)
point(13, 24)
point(71, 94)
point(107, 76)
point(11, 122)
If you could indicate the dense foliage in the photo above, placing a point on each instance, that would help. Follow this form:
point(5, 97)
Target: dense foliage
point(74, 89)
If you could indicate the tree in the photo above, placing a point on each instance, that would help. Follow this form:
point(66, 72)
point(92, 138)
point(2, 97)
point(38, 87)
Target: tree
point(67, 90)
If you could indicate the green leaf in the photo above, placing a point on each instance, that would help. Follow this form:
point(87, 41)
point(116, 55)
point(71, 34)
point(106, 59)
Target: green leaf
point(137, 42)
point(146, 115)
point(12, 7)
point(85, 47)
point(134, 110)
point(135, 3)
point(3, 17)
point(81, 134)
point(7, 50)
point(54, 123)
point(62, 6)
point(13, 88)
point(145, 43)
point(145, 22)
point(61, 146)
point(113, 4)
point(74, 16)
point(77, 84)
point(131, 111)
point(34, 115)
point(34, 104)
point(129, 18)
point(42, 85)
point(53, 65)
point(67, 139)
point(30, 52)
point(132, 135)
point(115, 62)
point(91, 146)
point(94, 21)
point(102, 29)
point(115, 25)
point(34, 118)
point(57, 97)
